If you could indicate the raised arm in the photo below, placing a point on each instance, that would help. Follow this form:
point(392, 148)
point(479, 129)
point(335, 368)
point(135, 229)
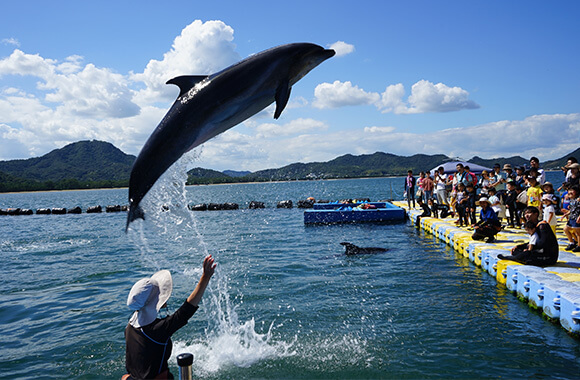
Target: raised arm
point(208, 270)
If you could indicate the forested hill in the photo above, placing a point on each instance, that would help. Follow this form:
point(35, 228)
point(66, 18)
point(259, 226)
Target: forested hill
point(95, 164)
point(84, 164)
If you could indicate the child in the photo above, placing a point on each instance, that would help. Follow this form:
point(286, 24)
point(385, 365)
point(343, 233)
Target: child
point(549, 211)
point(460, 206)
point(496, 203)
point(510, 202)
point(572, 228)
point(523, 253)
point(534, 191)
point(470, 204)
point(531, 230)
point(426, 211)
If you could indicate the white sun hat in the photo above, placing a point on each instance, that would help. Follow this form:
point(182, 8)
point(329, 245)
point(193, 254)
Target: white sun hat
point(147, 296)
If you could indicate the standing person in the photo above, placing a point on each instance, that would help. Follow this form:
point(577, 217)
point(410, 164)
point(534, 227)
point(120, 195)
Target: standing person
point(520, 176)
point(535, 163)
point(470, 205)
point(148, 338)
point(549, 211)
point(420, 180)
point(441, 186)
point(510, 202)
point(461, 204)
point(572, 227)
point(461, 175)
point(509, 172)
point(484, 183)
point(428, 187)
point(410, 188)
point(498, 180)
point(471, 177)
point(534, 191)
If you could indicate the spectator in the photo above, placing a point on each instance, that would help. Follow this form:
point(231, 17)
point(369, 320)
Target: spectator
point(488, 225)
point(549, 211)
point(461, 204)
point(461, 176)
point(484, 183)
point(511, 197)
point(470, 204)
point(548, 188)
point(496, 204)
point(520, 177)
point(572, 227)
point(535, 163)
point(507, 168)
point(544, 252)
point(498, 180)
point(441, 186)
point(428, 187)
point(534, 191)
point(471, 177)
point(574, 178)
point(420, 190)
point(410, 188)
point(521, 202)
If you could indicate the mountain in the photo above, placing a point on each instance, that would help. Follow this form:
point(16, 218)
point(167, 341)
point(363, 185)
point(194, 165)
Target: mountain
point(348, 166)
point(80, 165)
point(234, 173)
point(94, 164)
point(83, 160)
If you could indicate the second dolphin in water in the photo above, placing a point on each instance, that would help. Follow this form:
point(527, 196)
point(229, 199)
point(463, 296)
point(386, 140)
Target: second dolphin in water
point(209, 105)
point(352, 249)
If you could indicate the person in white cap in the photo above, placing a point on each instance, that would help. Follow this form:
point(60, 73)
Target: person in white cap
point(148, 338)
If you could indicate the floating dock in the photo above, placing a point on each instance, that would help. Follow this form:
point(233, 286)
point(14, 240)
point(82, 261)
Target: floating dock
point(332, 213)
point(554, 291)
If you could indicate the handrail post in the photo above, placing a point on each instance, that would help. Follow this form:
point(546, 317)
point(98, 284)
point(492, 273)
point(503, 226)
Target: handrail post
point(184, 361)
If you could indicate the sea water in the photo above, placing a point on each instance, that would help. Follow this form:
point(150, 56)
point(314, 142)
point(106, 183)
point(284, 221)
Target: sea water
point(285, 302)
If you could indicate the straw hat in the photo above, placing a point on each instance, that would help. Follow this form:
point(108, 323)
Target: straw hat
point(483, 199)
point(147, 296)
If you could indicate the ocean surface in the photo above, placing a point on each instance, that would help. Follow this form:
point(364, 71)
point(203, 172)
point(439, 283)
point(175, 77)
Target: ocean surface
point(285, 302)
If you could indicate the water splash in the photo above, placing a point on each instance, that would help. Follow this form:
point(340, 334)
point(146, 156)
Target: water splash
point(179, 246)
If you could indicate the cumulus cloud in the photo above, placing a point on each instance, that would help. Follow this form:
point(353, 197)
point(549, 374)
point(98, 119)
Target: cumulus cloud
point(201, 48)
point(425, 97)
point(342, 48)
point(10, 41)
point(297, 126)
point(340, 94)
point(74, 100)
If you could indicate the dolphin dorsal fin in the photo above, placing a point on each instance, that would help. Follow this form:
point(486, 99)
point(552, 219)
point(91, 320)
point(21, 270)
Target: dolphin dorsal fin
point(282, 96)
point(186, 82)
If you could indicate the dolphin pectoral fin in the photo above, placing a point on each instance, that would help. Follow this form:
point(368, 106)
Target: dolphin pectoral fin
point(186, 82)
point(282, 96)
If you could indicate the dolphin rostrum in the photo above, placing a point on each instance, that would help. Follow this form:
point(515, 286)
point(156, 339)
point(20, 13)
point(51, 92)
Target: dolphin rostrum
point(209, 105)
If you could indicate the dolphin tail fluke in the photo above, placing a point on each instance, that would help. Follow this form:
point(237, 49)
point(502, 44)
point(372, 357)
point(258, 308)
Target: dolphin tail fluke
point(135, 212)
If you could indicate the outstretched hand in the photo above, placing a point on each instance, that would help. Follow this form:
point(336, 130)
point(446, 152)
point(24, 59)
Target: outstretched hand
point(208, 266)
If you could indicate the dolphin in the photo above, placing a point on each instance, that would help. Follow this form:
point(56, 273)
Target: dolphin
point(209, 105)
point(352, 249)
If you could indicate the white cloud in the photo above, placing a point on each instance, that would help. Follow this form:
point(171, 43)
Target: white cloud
point(425, 97)
point(378, 129)
point(10, 41)
point(74, 100)
point(342, 48)
point(293, 127)
point(340, 94)
point(201, 48)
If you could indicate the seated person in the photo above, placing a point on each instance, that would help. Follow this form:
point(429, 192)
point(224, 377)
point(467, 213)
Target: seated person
point(488, 225)
point(426, 211)
point(542, 251)
point(439, 209)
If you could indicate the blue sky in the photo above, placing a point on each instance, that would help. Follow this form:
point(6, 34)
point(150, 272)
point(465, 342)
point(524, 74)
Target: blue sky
point(462, 78)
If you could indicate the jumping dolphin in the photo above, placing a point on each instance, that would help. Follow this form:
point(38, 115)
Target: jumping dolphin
point(209, 105)
point(352, 249)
